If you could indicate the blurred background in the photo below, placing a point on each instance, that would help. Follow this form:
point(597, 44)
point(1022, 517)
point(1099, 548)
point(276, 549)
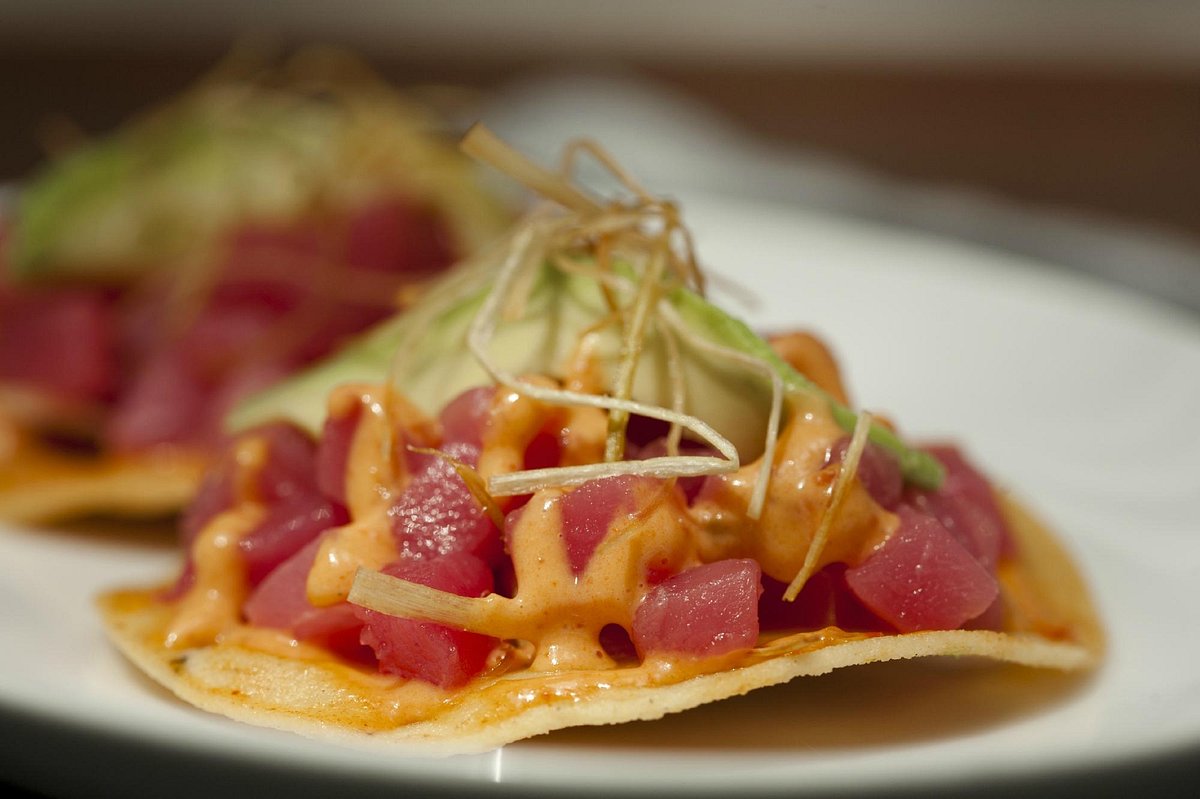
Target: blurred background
point(1065, 130)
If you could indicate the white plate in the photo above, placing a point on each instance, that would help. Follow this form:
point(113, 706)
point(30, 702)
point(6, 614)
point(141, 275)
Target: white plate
point(1081, 397)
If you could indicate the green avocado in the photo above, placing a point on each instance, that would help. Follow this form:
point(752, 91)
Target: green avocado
point(166, 183)
point(426, 354)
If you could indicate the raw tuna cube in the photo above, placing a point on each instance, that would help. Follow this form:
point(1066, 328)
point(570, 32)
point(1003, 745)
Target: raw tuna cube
point(58, 341)
point(705, 611)
point(333, 451)
point(591, 509)
point(281, 601)
point(966, 507)
point(289, 525)
point(877, 470)
point(423, 650)
point(825, 600)
point(437, 514)
point(922, 578)
point(290, 467)
point(464, 417)
point(395, 236)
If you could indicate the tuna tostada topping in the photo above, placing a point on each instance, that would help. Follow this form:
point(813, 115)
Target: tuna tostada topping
point(567, 489)
point(151, 278)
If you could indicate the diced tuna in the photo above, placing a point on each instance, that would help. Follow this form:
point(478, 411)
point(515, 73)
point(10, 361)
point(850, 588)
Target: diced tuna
point(437, 514)
point(877, 470)
point(166, 402)
point(333, 451)
point(825, 600)
point(423, 650)
point(59, 341)
point(922, 578)
point(279, 297)
point(705, 611)
point(290, 523)
point(215, 495)
point(966, 507)
point(281, 601)
point(393, 235)
point(296, 511)
point(589, 511)
point(290, 466)
point(463, 418)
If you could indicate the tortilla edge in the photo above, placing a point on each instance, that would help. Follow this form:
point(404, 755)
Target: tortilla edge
point(460, 731)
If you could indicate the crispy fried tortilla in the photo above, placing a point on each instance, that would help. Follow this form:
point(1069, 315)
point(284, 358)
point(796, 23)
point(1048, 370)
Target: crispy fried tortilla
point(43, 485)
point(258, 677)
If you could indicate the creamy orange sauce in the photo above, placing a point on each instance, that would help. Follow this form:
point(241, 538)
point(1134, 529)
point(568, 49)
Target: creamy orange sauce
point(513, 422)
point(809, 356)
point(555, 617)
point(214, 602)
point(797, 498)
point(310, 682)
point(564, 612)
point(375, 474)
point(375, 466)
point(364, 542)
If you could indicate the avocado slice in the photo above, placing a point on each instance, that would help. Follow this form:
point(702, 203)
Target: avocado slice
point(160, 187)
point(425, 350)
point(165, 186)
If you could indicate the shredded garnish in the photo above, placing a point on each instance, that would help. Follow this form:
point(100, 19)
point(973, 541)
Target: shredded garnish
point(767, 461)
point(635, 337)
point(637, 252)
point(483, 328)
point(485, 145)
point(490, 615)
point(837, 493)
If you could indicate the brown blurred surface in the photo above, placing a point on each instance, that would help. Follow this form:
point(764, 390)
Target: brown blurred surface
point(1125, 143)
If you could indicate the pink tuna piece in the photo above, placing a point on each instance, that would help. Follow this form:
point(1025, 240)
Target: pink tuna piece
point(705, 611)
point(165, 403)
point(922, 578)
point(463, 418)
point(281, 601)
point(215, 495)
point(296, 510)
point(60, 341)
point(392, 235)
point(825, 600)
point(333, 451)
point(591, 509)
point(966, 507)
point(290, 523)
point(290, 466)
point(438, 515)
point(281, 296)
point(179, 385)
point(423, 650)
point(287, 472)
point(877, 470)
